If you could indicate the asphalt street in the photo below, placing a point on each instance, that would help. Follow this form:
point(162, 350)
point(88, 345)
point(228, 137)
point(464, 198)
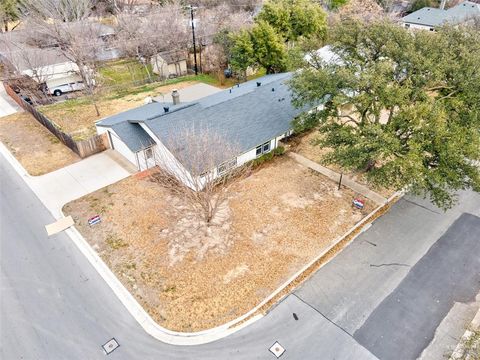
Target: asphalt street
point(424, 297)
point(55, 306)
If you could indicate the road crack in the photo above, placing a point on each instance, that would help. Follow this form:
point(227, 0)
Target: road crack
point(390, 264)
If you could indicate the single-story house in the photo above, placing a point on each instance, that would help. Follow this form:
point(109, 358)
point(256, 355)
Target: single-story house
point(255, 115)
point(170, 64)
point(429, 18)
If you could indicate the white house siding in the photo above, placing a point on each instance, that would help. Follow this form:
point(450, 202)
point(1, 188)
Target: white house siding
point(246, 157)
point(164, 157)
point(143, 161)
point(118, 145)
point(164, 69)
point(252, 154)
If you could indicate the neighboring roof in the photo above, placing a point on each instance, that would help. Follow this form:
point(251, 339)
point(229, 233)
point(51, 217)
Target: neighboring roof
point(436, 17)
point(247, 115)
point(15, 48)
point(323, 56)
point(172, 57)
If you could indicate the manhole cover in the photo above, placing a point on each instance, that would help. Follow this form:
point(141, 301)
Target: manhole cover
point(277, 349)
point(110, 345)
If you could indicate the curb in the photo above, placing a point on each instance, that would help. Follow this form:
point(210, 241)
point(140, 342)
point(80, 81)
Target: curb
point(459, 351)
point(205, 336)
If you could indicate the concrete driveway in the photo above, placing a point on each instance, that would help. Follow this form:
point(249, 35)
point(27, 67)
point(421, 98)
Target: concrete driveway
point(191, 93)
point(57, 188)
point(7, 105)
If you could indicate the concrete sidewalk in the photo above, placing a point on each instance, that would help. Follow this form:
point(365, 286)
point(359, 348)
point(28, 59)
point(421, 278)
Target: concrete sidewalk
point(7, 105)
point(346, 181)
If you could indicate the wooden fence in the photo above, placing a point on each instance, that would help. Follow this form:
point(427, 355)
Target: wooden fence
point(84, 148)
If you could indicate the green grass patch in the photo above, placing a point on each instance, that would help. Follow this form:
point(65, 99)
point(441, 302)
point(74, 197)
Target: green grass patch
point(115, 242)
point(123, 72)
point(70, 105)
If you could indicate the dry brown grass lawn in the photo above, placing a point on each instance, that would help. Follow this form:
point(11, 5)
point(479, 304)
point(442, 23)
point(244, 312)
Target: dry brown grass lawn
point(305, 145)
point(33, 145)
point(78, 117)
point(191, 277)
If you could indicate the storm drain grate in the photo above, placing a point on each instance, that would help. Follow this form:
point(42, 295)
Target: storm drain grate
point(277, 349)
point(110, 345)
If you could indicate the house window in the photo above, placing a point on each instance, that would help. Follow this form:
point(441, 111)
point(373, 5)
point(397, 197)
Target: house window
point(263, 149)
point(266, 147)
point(226, 166)
point(149, 153)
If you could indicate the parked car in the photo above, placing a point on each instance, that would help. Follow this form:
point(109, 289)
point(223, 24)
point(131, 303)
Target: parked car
point(65, 88)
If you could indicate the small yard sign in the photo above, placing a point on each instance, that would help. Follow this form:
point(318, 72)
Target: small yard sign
point(359, 204)
point(94, 220)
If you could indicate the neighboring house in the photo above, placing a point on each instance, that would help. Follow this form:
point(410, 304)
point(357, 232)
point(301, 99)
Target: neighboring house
point(254, 115)
point(47, 65)
point(169, 64)
point(430, 18)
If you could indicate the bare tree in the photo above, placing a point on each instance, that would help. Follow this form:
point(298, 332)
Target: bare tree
point(143, 37)
point(26, 66)
point(58, 10)
point(198, 165)
point(214, 25)
point(65, 25)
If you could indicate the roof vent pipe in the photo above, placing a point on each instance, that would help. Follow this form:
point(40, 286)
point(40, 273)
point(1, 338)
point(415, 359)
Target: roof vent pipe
point(273, 89)
point(175, 97)
point(259, 83)
point(166, 109)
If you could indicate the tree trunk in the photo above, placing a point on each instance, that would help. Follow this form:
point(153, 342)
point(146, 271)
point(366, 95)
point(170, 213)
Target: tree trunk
point(96, 108)
point(145, 65)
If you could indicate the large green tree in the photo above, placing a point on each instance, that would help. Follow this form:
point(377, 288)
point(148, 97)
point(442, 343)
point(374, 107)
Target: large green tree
point(293, 19)
point(260, 46)
point(403, 106)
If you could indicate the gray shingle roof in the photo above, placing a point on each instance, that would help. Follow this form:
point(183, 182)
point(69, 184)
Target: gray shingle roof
point(436, 17)
point(247, 115)
point(133, 136)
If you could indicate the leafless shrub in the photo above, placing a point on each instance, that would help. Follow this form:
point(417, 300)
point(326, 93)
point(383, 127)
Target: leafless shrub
point(198, 164)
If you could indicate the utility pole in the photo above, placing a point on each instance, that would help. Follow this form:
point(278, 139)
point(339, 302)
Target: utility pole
point(193, 34)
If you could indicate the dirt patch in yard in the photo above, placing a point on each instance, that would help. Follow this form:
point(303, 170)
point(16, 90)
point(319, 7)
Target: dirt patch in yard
point(191, 277)
point(33, 145)
point(77, 117)
point(305, 146)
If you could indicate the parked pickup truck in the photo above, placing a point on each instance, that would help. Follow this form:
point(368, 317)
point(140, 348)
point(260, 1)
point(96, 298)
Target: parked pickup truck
point(60, 89)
